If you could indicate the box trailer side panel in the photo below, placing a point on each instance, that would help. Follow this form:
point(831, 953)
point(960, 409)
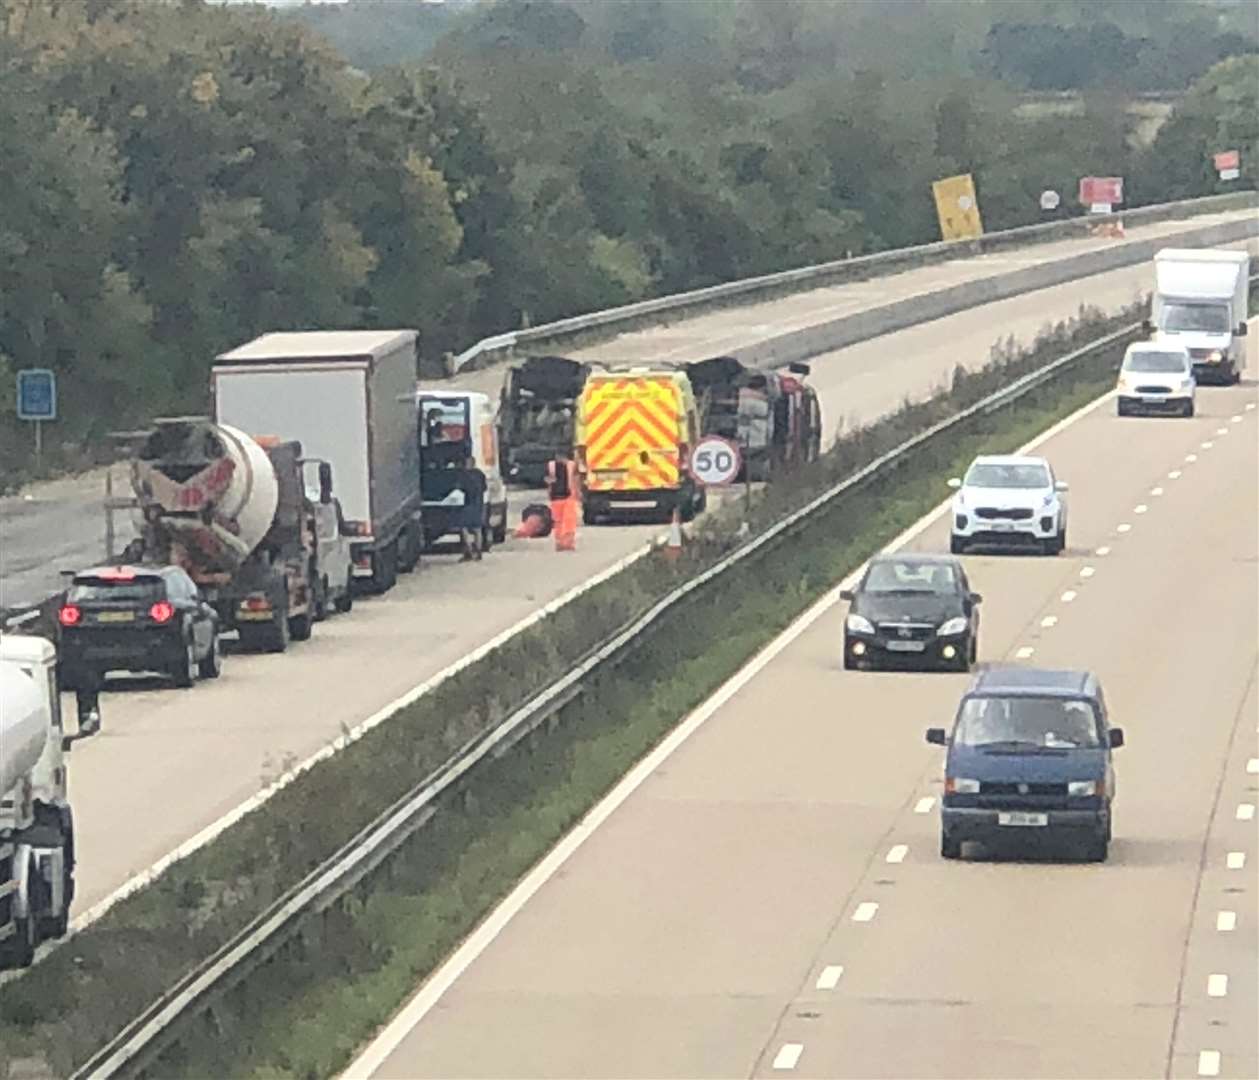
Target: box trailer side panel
point(393, 441)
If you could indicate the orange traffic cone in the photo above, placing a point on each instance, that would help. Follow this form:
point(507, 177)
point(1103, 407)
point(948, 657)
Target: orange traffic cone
point(673, 546)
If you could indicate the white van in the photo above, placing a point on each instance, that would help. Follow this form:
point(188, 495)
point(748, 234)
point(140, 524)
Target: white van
point(1156, 376)
point(455, 425)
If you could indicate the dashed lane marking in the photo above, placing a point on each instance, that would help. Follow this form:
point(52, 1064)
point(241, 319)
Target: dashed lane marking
point(1252, 766)
point(1068, 596)
point(1207, 445)
point(1049, 621)
point(866, 911)
point(1140, 508)
point(1087, 571)
point(1103, 551)
point(924, 805)
point(1235, 419)
point(829, 979)
point(788, 1055)
point(1236, 860)
point(1024, 652)
point(1221, 431)
point(1156, 491)
point(1208, 1063)
point(1226, 921)
point(1174, 475)
point(1217, 985)
point(1246, 811)
point(897, 853)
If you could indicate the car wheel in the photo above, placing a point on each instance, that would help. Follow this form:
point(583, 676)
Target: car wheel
point(950, 848)
point(957, 545)
point(345, 601)
point(1097, 848)
point(184, 672)
point(500, 530)
point(1188, 410)
point(300, 626)
point(850, 663)
point(320, 594)
point(211, 665)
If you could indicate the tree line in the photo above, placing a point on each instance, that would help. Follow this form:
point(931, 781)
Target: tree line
point(182, 176)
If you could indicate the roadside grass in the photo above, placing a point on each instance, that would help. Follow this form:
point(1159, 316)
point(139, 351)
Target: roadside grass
point(88, 989)
point(363, 958)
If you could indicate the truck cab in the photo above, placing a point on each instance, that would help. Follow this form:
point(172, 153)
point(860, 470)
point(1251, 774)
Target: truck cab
point(1201, 301)
point(36, 825)
point(455, 425)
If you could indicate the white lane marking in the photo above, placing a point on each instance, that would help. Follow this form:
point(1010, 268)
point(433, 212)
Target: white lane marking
point(1123, 527)
point(1246, 811)
point(1024, 652)
point(787, 1057)
point(1103, 551)
point(1068, 596)
point(866, 911)
point(1048, 621)
point(1140, 508)
point(1252, 766)
point(1236, 860)
point(1191, 458)
point(924, 805)
point(1174, 475)
point(1249, 406)
point(1087, 571)
point(1217, 986)
point(829, 979)
point(1208, 1063)
point(1226, 921)
point(897, 853)
point(1207, 445)
point(1235, 419)
point(1156, 491)
point(432, 991)
point(1221, 431)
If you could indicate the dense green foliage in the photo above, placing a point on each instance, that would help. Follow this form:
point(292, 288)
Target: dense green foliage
point(181, 177)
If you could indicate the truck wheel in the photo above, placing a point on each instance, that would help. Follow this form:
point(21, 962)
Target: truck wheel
point(300, 626)
point(184, 672)
point(211, 667)
point(408, 549)
point(500, 530)
point(277, 635)
point(385, 568)
point(345, 601)
point(18, 951)
point(320, 594)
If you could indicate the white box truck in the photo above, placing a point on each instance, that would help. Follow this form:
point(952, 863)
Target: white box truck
point(1201, 301)
point(349, 397)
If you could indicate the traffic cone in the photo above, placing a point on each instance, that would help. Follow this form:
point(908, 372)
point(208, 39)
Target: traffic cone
point(673, 546)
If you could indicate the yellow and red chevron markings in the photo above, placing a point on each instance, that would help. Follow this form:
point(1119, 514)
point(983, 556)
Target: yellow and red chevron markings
point(631, 433)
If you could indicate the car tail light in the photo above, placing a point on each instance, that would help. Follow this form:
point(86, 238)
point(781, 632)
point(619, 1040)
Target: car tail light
point(161, 612)
point(69, 615)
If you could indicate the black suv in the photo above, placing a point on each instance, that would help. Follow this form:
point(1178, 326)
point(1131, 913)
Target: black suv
point(912, 610)
point(137, 618)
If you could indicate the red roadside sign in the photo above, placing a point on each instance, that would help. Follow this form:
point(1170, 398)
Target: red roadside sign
point(1228, 159)
point(1101, 190)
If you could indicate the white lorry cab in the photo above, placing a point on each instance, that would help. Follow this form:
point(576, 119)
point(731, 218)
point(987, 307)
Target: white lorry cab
point(455, 425)
point(1156, 376)
point(1201, 301)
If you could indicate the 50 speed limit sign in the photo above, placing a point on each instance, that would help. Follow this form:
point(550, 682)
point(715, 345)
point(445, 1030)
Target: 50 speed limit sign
point(715, 461)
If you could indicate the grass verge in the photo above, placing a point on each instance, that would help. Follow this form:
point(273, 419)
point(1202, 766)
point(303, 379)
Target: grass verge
point(80, 996)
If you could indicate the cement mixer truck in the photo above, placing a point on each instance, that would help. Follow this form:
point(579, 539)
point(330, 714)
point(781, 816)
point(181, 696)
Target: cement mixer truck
point(36, 826)
point(231, 509)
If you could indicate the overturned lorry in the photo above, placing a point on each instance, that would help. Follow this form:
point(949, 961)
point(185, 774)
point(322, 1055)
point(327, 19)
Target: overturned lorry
point(232, 510)
point(537, 414)
point(774, 418)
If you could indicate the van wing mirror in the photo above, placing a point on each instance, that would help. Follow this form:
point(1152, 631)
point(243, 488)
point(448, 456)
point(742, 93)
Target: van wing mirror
point(1147, 326)
point(1116, 738)
point(846, 594)
point(799, 368)
point(1061, 485)
point(1243, 329)
point(937, 736)
point(325, 483)
point(976, 598)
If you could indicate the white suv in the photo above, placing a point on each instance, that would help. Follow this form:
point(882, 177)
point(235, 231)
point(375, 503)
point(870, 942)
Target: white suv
point(1156, 377)
point(1009, 500)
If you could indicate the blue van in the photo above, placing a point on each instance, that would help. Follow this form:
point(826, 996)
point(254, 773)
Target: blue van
point(1029, 757)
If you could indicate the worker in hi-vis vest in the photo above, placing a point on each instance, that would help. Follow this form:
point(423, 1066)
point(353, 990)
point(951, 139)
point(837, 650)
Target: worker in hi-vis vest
point(562, 489)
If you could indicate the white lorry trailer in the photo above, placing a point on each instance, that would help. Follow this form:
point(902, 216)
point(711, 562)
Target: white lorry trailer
point(349, 398)
point(1201, 301)
point(36, 826)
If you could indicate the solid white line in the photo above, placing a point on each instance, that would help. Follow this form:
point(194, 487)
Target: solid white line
point(431, 991)
point(829, 979)
point(1024, 652)
point(897, 853)
point(1087, 571)
point(1123, 527)
point(1049, 621)
point(1252, 766)
point(1246, 811)
point(1208, 1063)
point(1068, 596)
point(1226, 921)
point(787, 1057)
point(1217, 986)
point(924, 805)
point(1141, 508)
point(1236, 860)
point(866, 911)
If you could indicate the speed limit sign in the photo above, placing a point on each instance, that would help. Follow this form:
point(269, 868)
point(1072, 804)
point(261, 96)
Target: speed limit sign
point(715, 461)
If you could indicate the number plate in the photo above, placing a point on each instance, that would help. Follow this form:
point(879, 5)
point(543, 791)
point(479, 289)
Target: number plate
point(1018, 817)
point(1002, 526)
point(906, 646)
point(116, 616)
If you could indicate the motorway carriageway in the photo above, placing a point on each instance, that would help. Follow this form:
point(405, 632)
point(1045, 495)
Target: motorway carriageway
point(172, 768)
point(763, 896)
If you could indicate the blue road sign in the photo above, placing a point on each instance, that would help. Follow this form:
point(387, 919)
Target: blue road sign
point(36, 394)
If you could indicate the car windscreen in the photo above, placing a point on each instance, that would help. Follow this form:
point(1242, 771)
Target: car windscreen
point(1196, 318)
point(139, 590)
point(894, 576)
point(1007, 476)
point(1169, 363)
point(1051, 723)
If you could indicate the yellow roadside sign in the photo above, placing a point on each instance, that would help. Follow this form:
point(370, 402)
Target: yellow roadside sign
point(957, 208)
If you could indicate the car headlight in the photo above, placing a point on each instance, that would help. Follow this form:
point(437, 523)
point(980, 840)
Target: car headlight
point(952, 626)
point(1215, 356)
point(1082, 788)
point(960, 785)
point(859, 624)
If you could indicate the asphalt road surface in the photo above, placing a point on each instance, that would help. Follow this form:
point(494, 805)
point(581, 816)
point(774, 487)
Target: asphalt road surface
point(770, 901)
point(268, 712)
